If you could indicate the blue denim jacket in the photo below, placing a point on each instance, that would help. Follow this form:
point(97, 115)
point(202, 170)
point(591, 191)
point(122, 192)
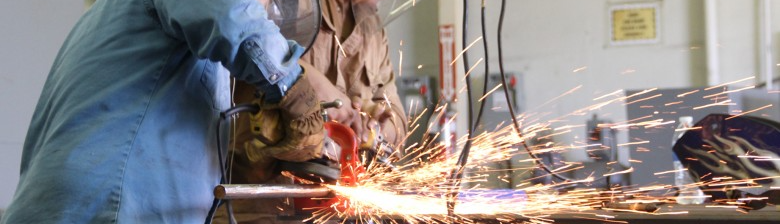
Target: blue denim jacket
point(125, 128)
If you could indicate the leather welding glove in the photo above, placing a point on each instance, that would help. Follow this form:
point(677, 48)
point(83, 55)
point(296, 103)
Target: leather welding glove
point(298, 117)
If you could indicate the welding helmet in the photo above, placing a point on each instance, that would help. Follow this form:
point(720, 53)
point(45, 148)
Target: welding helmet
point(298, 20)
point(390, 10)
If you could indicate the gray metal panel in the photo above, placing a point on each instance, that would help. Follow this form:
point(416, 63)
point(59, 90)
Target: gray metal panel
point(757, 98)
point(656, 155)
point(496, 113)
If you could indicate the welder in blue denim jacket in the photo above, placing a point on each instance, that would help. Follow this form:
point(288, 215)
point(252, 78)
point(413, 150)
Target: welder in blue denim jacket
point(125, 130)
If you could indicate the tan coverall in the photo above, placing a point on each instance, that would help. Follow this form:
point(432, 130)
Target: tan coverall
point(358, 65)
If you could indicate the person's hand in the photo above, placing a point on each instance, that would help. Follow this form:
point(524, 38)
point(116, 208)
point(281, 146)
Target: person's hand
point(349, 113)
point(375, 115)
point(299, 115)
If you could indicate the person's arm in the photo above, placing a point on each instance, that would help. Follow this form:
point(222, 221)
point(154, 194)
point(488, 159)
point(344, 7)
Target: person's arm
point(238, 34)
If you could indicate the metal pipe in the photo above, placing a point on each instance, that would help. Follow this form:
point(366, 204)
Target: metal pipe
point(765, 45)
point(251, 191)
point(713, 54)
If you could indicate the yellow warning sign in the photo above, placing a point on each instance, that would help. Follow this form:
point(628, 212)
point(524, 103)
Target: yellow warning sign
point(634, 24)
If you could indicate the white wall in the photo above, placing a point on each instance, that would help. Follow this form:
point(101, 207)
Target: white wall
point(738, 37)
point(32, 31)
point(418, 30)
point(561, 44)
point(738, 33)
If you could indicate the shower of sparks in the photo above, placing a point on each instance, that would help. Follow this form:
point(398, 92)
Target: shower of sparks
point(416, 190)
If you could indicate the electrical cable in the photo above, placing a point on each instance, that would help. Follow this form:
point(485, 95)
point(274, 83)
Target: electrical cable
point(466, 63)
point(452, 196)
point(516, 124)
point(511, 108)
point(463, 158)
point(252, 108)
point(457, 175)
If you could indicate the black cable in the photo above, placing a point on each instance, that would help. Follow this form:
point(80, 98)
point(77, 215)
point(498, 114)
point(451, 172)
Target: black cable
point(511, 109)
point(452, 196)
point(466, 64)
point(487, 72)
point(457, 174)
point(252, 108)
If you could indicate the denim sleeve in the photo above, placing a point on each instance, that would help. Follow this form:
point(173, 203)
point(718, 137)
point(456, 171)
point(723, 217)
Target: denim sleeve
point(238, 34)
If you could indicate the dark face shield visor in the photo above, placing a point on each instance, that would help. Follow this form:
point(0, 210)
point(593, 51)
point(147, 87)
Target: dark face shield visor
point(298, 20)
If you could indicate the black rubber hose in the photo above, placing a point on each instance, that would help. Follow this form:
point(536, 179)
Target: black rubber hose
point(511, 109)
point(457, 174)
point(252, 108)
point(464, 42)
